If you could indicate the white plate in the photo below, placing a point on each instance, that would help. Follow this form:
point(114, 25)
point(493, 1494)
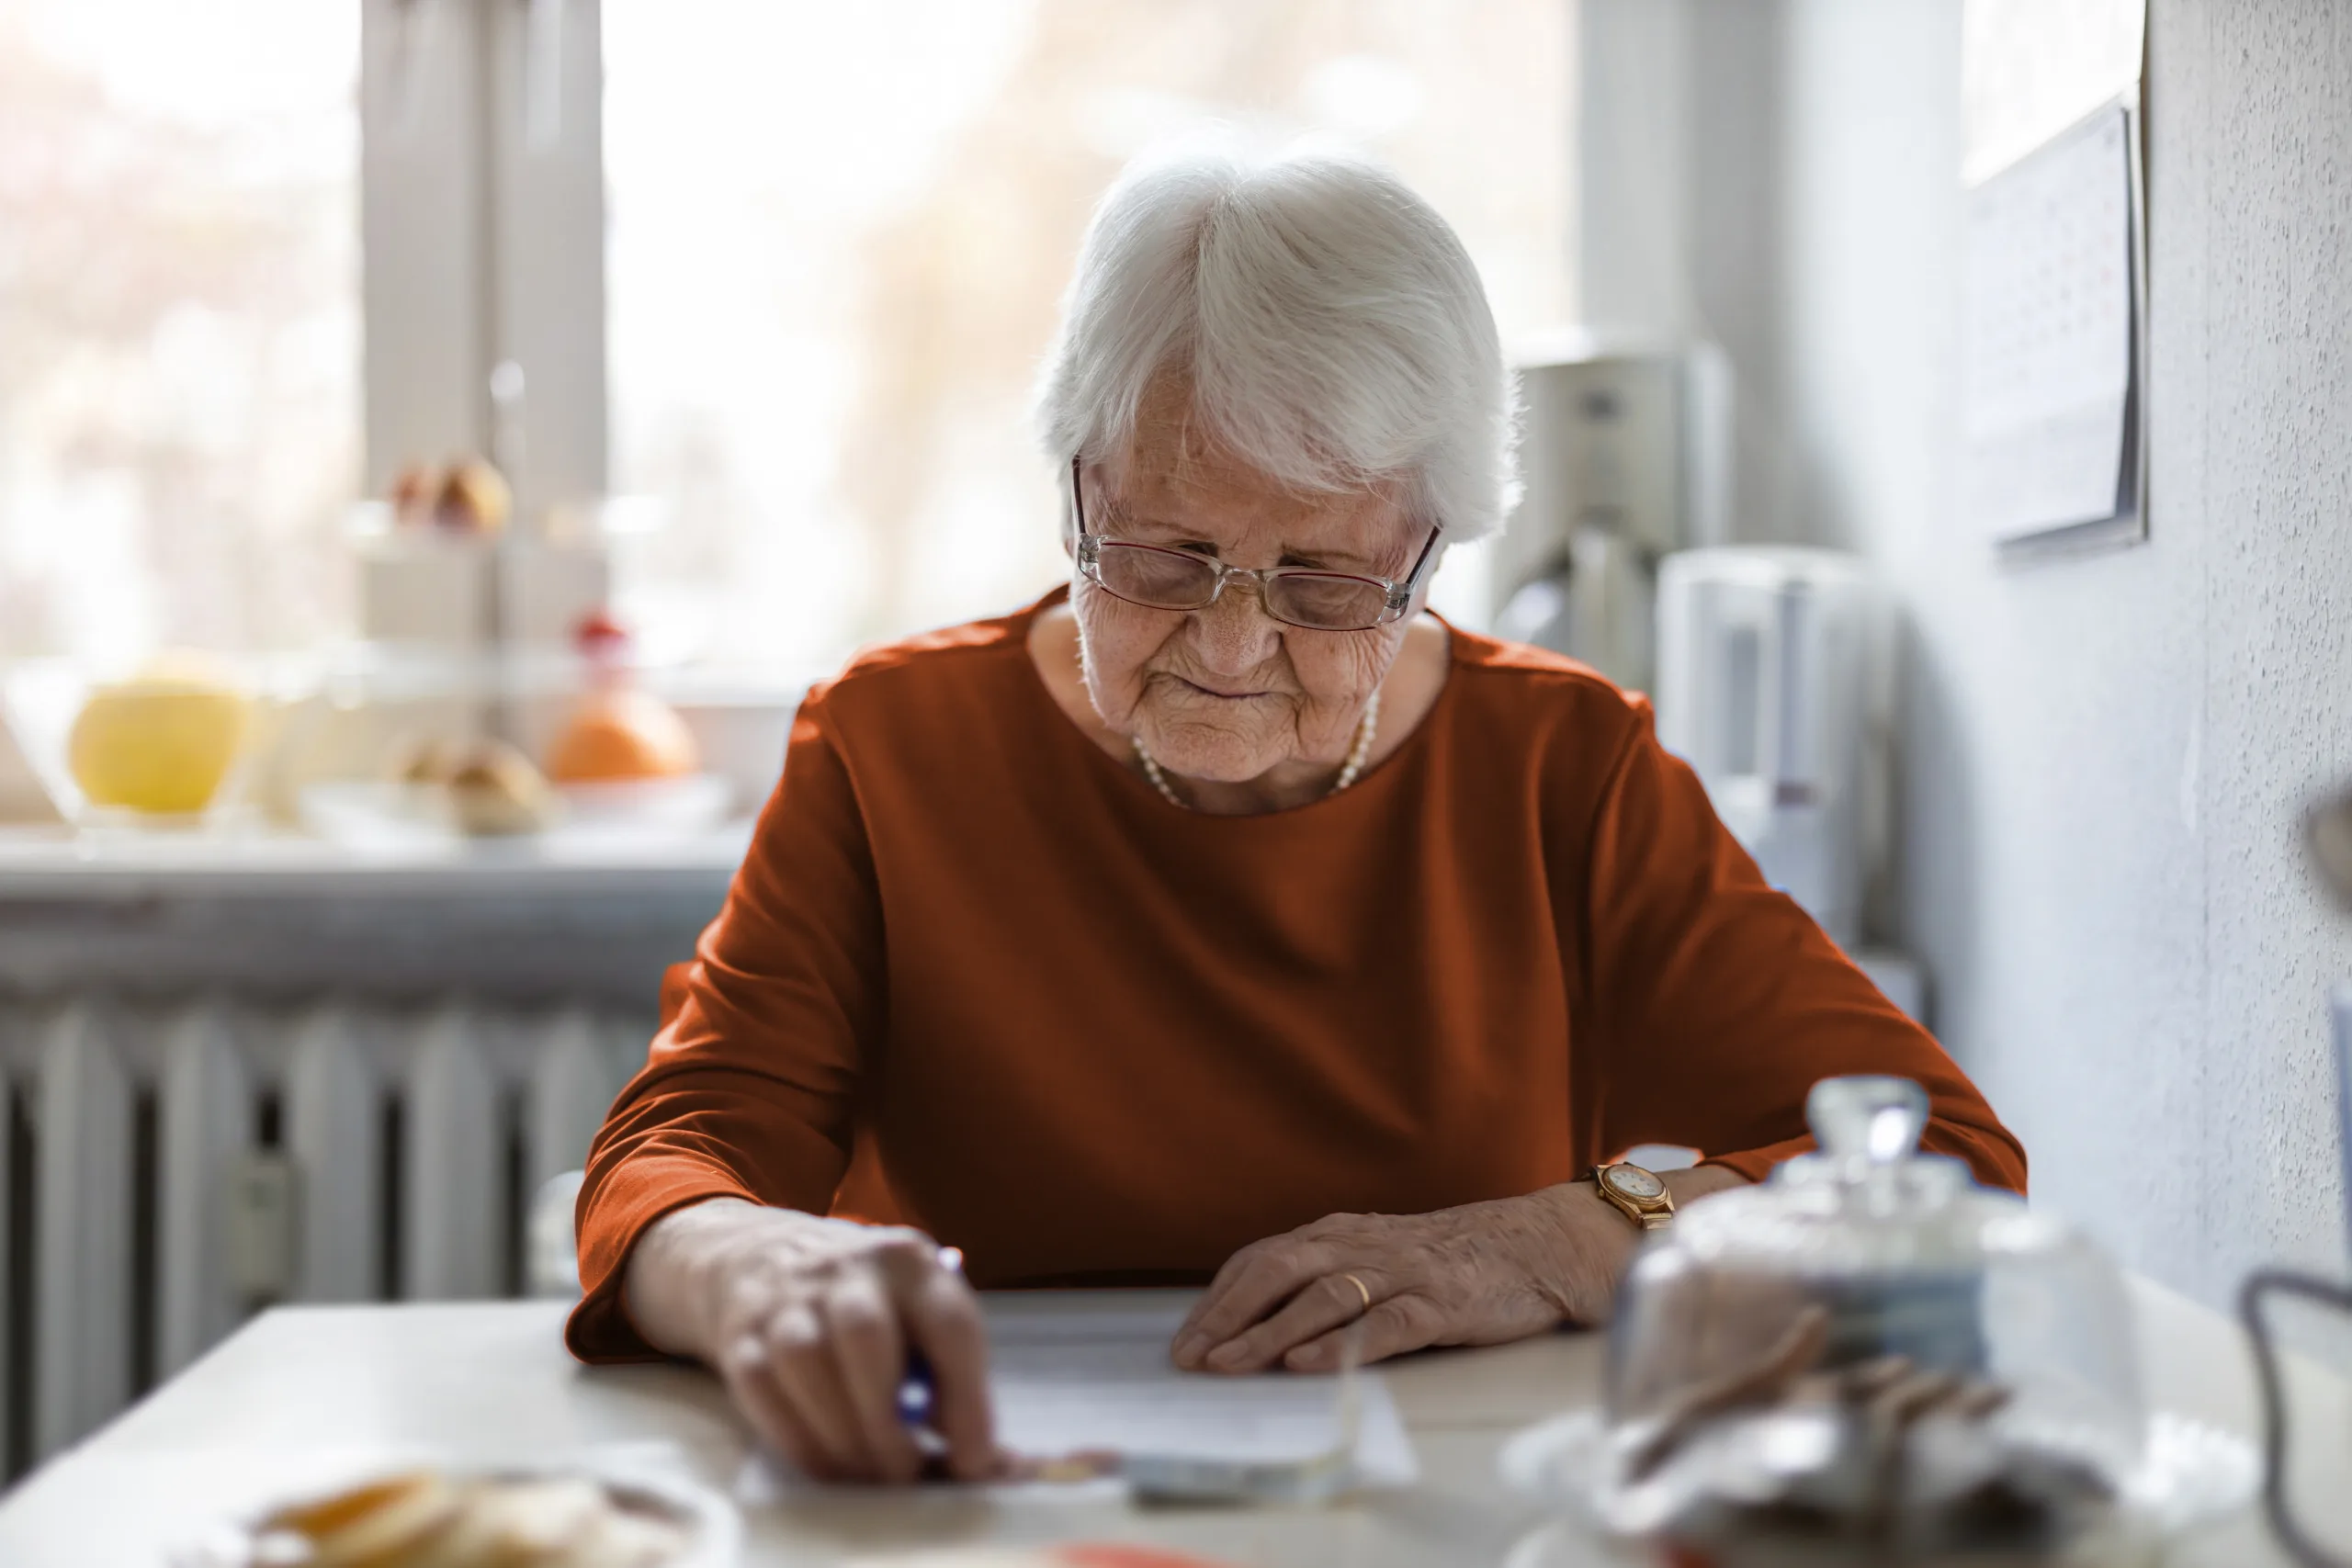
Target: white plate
point(386, 817)
point(686, 805)
point(2193, 1474)
point(651, 1480)
point(376, 816)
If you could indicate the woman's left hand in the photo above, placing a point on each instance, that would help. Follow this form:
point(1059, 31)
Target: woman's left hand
point(1481, 1274)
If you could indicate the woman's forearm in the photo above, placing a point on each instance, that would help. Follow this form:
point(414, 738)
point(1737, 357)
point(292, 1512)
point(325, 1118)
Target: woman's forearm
point(1580, 1243)
point(684, 1268)
point(1690, 1186)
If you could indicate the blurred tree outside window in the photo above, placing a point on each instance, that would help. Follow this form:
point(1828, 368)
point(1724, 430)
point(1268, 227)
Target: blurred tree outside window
point(838, 236)
point(179, 322)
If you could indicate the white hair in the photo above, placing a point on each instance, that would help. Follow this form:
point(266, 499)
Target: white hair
point(1333, 329)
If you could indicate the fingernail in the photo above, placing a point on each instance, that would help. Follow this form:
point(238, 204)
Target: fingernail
point(1188, 1350)
point(1229, 1354)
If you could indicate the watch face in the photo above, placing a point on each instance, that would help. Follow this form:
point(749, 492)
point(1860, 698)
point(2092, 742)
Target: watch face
point(1633, 1181)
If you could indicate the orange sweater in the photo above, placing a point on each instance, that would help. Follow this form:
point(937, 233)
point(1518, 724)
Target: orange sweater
point(1091, 1037)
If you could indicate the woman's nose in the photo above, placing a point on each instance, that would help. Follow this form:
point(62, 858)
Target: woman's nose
point(1235, 634)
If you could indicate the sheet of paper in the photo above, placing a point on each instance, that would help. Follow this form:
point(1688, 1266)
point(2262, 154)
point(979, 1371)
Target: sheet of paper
point(1081, 1378)
point(2048, 344)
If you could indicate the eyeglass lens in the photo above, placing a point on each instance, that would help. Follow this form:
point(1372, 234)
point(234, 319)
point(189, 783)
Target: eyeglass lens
point(1169, 580)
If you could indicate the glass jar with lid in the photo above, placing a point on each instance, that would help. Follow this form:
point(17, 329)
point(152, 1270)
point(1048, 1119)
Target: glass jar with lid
point(1869, 1358)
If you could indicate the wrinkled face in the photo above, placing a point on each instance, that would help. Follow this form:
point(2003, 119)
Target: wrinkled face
point(1228, 693)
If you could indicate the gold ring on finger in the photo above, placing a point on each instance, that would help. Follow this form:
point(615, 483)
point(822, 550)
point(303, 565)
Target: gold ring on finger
point(1362, 1289)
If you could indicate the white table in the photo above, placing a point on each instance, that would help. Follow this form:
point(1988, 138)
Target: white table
point(320, 1391)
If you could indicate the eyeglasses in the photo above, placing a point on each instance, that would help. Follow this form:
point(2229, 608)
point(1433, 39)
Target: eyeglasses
point(1301, 596)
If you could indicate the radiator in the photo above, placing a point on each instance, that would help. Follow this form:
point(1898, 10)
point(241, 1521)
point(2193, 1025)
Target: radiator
point(170, 1166)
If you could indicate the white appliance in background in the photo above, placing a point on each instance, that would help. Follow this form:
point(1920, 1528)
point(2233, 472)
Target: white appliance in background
point(1625, 458)
point(1763, 654)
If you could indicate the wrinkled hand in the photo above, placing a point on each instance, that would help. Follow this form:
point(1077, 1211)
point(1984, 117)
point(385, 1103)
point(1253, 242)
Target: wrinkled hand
point(808, 1321)
point(1481, 1274)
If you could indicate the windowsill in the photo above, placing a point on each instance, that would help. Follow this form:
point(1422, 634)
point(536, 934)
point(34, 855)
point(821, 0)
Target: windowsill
point(46, 864)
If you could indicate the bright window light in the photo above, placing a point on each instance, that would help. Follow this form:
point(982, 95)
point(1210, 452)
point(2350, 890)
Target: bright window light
point(839, 235)
point(179, 322)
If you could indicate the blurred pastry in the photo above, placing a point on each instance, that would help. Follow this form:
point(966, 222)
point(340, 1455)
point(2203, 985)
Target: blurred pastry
point(472, 499)
point(623, 733)
point(494, 792)
point(618, 732)
point(161, 742)
point(413, 493)
point(425, 1519)
point(430, 762)
point(383, 1521)
point(488, 788)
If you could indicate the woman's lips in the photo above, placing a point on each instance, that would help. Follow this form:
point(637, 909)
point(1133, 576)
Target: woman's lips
point(1227, 697)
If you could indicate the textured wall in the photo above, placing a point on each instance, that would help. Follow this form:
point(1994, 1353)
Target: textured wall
point(2104, 759)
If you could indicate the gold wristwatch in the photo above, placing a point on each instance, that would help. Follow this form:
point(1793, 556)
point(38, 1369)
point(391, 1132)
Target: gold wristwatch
point(1640, 1195)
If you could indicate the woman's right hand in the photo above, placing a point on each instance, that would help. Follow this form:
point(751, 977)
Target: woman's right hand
point(808, 1321)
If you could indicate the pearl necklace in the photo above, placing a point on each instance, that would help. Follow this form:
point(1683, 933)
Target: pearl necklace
point(1366, 727)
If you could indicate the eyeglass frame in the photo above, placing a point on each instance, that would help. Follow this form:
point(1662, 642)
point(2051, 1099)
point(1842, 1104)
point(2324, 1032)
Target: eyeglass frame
point(1397, 597)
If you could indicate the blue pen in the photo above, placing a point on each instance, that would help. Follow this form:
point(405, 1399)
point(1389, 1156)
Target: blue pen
point(917, 1385)
point(918, 1391)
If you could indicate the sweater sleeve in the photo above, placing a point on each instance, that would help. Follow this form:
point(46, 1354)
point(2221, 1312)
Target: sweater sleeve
point(749, 1089)
point(1719, 1002)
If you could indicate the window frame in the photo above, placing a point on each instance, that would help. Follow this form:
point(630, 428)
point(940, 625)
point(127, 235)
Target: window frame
point(482, 240)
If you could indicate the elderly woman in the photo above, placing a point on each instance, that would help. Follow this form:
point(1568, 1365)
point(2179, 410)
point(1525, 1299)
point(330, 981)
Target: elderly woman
point(1225, 917)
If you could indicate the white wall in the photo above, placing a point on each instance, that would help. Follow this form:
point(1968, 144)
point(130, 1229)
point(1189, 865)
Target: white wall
point(2103, 759)
point(1680, 205)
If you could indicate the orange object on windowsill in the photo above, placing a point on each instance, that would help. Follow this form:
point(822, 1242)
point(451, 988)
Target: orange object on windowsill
point(618, 732)
point(623, 734)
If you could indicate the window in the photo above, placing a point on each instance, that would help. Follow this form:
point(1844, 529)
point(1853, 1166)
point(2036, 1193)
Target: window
point(180, 316)
point(838, 236)
point(836, 239)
